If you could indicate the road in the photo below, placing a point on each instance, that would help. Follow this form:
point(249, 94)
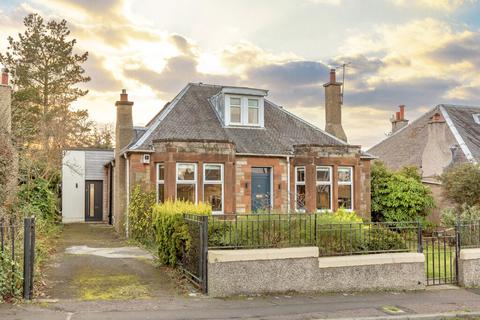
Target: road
point(432, 301)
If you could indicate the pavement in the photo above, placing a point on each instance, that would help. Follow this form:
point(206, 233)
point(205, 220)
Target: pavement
point(98, 275)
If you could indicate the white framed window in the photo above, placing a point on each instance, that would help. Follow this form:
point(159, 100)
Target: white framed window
point(324, 188)
point(253, 111)
point(300, 189)
point(235, 110)
point(160, 182)
point(345, 188)
point(187, 182)
point(244, 111)
point(213, 186)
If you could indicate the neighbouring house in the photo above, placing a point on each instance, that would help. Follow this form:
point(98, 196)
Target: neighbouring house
point(233, 148)
point(442, 137)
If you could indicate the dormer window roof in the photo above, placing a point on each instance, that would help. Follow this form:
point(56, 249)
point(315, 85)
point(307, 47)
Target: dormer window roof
point(238, 106)
point(476, 118)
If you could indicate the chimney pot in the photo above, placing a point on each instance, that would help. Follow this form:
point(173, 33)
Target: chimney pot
point(332, 76)
point(397, 115)
point(124, 95)
point(402, 111)
point(5, 76)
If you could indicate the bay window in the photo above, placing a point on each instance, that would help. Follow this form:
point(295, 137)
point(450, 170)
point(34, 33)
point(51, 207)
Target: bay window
point(187, 182)
point(213, 186)
point(345, 188)
point(160, 182)
point(300, 189)
point(324, 188)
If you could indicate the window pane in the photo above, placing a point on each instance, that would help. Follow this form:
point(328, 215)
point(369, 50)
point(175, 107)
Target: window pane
point(235, 101)
point(213, 195)
point(300, 194)
point(213, 172)
point(161, 172)
point(186, 171)
point(300, 174)
point(186, 192)
point(235, 114)
point(344, 174)
point(323, 174)
point(253, 115)
point(323, 197)
point(161, 193)
point(253, 103)
point(345, 196)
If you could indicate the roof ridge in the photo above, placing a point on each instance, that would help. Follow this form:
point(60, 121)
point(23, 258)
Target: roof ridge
point(457, 106)
point(457, 135)
point(161, 116)
point(306, 122)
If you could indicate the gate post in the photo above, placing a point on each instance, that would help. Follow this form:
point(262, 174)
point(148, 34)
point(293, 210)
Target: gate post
point(28, 256)
point(419, 238)
point(204, 253)
point(458, 246)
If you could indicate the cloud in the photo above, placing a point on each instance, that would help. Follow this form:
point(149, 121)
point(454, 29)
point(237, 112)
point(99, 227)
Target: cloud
point(441, 5)
point(465, 48)
point(102, 79)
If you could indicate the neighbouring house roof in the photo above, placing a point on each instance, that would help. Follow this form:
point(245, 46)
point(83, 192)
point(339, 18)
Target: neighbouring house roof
point(191, 116)
point(405, 147)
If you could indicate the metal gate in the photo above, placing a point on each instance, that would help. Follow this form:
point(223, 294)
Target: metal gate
point(193, 261)
point(441, 250)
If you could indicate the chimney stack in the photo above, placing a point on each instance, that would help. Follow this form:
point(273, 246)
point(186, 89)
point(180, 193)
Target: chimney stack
point(123, 137)
point(333, 107)
point(5, 104)
point(436, 155)
point(398, 120)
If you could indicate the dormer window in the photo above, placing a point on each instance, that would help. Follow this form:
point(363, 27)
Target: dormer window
point(238, 106)
point(235, 110)
point(253, 111)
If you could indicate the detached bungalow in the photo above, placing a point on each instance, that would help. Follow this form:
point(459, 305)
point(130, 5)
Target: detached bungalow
point(232, 147)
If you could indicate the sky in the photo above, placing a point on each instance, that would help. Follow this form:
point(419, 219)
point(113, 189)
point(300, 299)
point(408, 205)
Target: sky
point(419, 53)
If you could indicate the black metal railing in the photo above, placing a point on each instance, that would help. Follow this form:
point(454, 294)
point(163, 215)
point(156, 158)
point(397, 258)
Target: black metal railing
point(17, 248)
point(289, 230)
point(469, 234)
point(193, 261)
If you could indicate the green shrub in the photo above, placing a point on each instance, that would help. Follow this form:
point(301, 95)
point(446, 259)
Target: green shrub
point(39, 199)
point(10, 281)
point(381, 239)
point(466, 215)
point(461, 185)
point(338, 217)
point(398, 197)
point(140, 213)
point(171, 233)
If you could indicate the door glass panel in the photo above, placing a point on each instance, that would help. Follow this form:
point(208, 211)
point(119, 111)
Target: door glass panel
point(92, 200)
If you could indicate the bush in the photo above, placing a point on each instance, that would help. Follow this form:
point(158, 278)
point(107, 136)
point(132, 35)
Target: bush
point(338, 217)
point(466, 214)
point(382, 239)
point(171, 233)
point(140, 213)
point(398, 197)
point(10, 281)
point(39, 199)
point(461, 184)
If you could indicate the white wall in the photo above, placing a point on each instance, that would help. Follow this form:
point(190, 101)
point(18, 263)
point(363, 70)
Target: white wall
point(73, 186)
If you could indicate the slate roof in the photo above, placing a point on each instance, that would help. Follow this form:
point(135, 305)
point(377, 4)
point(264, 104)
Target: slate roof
point(405, 147)
point(191, 116)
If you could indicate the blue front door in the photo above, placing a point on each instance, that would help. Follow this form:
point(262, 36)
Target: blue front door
point(261, 192)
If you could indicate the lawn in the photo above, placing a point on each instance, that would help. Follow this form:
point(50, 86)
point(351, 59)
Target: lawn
point(439, 264)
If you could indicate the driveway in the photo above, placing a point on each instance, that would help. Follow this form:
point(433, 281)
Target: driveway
point(95, 263)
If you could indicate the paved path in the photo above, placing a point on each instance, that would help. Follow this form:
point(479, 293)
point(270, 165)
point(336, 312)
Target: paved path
point(379, 305)
point(95, 263)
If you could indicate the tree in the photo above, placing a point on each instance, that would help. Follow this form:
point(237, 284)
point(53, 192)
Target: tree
point(398, 196)
point(461, 184)
point(46, 73)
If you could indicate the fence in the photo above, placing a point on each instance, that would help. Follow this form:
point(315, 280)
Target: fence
point(17, 246)
point(289, 230)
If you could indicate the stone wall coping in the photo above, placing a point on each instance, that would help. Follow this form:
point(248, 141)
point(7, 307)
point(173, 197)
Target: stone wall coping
point(470, 254)
point(217, 256)
point(371, 259)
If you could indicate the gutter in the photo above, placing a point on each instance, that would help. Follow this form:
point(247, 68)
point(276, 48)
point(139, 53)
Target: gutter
point(127, 184)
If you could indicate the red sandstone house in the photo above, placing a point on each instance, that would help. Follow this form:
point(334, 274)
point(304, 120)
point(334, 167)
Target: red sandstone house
point(235, 149)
